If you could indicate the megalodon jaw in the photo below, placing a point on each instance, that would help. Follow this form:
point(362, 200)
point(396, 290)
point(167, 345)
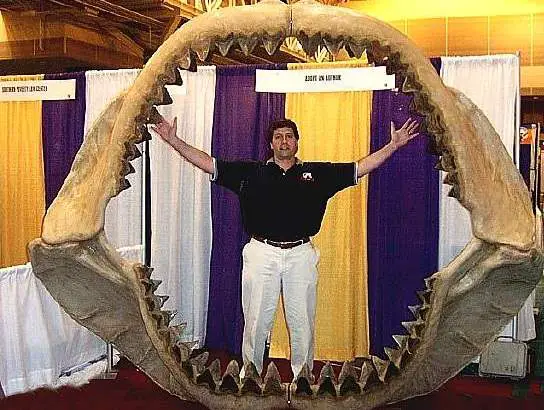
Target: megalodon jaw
point(463, 307)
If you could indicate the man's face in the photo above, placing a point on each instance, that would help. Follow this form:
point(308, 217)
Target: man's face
point(284, 144)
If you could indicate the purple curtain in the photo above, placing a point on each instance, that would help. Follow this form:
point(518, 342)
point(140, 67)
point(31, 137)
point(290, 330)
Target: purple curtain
point(241, 119)
point(62, 134)
point(402, 222)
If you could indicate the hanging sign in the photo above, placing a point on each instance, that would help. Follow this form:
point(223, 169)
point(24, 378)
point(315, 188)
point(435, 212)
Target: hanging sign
point(324, 80)
point(37, 90)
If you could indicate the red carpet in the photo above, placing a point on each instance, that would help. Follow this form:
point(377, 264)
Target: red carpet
point(132, 390)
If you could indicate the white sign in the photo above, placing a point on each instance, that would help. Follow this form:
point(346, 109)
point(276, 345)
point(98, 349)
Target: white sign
point(324, 80)
point(37, 90)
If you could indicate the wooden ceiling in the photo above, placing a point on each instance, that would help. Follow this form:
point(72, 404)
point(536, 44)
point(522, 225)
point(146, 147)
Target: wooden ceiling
point(64, 35)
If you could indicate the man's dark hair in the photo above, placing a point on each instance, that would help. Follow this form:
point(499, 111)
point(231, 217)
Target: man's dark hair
point(283, 123)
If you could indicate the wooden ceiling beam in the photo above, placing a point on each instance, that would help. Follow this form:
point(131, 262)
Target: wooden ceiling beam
point(119, 11)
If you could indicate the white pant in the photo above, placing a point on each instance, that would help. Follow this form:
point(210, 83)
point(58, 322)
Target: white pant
point(266, 270)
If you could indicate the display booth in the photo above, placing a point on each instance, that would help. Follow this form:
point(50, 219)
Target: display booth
point(378, 241)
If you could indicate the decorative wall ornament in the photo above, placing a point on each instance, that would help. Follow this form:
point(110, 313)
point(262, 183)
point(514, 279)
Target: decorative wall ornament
point(463, 307)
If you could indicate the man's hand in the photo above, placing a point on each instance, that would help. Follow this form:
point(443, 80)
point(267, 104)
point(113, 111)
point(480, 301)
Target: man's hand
point(166, 130)
point(404, 134)
point(195, 156)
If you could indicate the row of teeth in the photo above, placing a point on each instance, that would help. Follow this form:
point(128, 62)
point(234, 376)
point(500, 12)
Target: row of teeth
point(351, 380)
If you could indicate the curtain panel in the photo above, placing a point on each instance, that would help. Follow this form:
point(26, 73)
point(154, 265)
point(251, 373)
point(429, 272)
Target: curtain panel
point(123, 219)
point(22, 190)
point(38, 340)
point(181, 221)
point(492, 83)
point(335, 127)
point(62, 129)
point(402, 222)
point(241, 119)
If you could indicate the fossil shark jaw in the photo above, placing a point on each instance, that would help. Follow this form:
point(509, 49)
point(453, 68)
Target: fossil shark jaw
point(73, 257)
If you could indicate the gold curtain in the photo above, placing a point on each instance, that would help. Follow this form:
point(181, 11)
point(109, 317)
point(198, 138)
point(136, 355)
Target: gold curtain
point(335, 127)
point(22, 191)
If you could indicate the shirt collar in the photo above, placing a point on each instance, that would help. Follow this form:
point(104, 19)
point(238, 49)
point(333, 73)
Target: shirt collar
point(298, 161)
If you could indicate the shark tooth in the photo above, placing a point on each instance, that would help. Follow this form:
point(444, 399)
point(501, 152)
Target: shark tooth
point(202, 49)
point(303, 382)
point(177, 330)
point(451, 179)
point(200, 361)
point(395, 356)
point(424, 295)
point(155, 302)
point(143, 271)
point(367, 373)
point(224, 45)
point(252, 381)
point(185, 61)
point(357, 48)
point(131, 151)
point(247, 44)
point(272, 42)
point(333, 45)
point(144, 134)
point(155, 283)
point(309, 44)
point(154, 116)
point(454, 192)
point(211, 375)
point(175, 78)
point(326, 381)
point(185, 349)
point(272, 381)
point(381, 367)
point(402, 342)
point(128, 168)
point(413, 327)
point(124, 184)
point(429, 282)
point(348, 380)
point(231, 378)
point(415, 310)
point(166, 98)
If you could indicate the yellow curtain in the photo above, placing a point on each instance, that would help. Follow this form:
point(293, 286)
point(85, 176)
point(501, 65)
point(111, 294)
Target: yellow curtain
point(22, 191)
point(335, 127)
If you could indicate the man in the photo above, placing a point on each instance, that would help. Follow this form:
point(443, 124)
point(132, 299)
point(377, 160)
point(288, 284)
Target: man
point(283, 201)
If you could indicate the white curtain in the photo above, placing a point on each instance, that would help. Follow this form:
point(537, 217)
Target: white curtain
point(38, 340)
point(492, 83)
point(181, 206)
point(123, 224)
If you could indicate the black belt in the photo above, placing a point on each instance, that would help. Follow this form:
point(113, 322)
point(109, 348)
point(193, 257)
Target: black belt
point(282, 245)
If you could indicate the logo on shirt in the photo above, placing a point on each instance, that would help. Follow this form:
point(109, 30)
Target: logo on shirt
point(307, 176)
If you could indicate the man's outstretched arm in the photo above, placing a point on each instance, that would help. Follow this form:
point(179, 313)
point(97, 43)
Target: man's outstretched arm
point(399, 138)
point(195, 156)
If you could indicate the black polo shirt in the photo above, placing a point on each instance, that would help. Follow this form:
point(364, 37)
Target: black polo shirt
point(284, 206)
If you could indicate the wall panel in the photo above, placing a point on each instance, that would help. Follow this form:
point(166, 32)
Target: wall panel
point(509, 34)
point(429, 35)
point(467, 36)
